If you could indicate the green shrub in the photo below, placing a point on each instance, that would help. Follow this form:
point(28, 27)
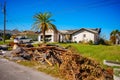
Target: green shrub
point(101, 41)
point(90, 42)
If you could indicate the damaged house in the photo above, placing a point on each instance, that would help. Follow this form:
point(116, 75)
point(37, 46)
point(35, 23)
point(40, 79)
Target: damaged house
point(80, 35)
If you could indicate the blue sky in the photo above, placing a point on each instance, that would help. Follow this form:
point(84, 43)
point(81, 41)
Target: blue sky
point(69, 14)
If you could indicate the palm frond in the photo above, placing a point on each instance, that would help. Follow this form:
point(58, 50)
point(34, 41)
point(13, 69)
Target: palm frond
point(43, 22)
point(53, 27)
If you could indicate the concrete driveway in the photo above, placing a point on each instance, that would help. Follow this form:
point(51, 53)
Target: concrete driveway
point(13, 71)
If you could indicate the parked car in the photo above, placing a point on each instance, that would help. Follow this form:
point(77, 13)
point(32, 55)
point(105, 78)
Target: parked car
point(22, 40)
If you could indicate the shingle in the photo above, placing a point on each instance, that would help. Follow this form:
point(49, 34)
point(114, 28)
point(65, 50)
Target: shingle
point(67, 31)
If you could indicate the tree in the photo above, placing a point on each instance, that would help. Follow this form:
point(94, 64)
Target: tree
point(113, 36)
point(114, 32)
point(43, 22)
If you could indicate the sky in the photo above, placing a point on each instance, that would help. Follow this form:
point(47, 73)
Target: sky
point(68, 14)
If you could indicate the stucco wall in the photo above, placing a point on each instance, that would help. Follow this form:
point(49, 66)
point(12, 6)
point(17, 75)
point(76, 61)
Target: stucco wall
point(49, 32)
point(78, 36)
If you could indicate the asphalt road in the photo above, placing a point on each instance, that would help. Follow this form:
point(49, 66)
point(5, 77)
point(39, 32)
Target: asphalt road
point(13, 71)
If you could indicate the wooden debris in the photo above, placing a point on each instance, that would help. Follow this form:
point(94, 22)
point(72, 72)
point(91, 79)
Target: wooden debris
point(72, 66)
point(48, 62)
point(15, 46)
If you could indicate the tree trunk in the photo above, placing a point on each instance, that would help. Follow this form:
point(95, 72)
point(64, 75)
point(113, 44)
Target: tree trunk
point(44, 37)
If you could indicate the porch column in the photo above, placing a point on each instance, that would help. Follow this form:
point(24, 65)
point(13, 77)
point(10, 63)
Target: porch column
point(60, 38)
point(39, 38)
point(52, 38)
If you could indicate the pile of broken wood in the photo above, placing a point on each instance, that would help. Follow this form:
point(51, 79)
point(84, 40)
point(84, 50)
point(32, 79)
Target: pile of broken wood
point(45, 53)
point(72, 66)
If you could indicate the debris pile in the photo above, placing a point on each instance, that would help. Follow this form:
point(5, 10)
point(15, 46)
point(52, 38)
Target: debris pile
point(76, 67)
point(72, 66)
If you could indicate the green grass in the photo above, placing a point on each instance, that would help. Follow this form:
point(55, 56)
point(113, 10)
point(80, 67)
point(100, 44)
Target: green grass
point(28, 63)
point(51, 70)
point(97, 52)
point(6, 42)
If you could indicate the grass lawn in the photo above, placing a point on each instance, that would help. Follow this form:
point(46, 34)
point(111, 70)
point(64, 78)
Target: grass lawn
point(6, 42)
point(97, 52)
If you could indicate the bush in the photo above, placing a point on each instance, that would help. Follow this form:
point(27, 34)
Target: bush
point(7, 35)
point(104, 42)
point(101, 41)
point(90, 42)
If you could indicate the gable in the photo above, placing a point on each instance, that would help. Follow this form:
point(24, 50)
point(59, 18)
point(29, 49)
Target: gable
point(48, 32)
point(87, 30)
point(81, 32)
point(83, 35)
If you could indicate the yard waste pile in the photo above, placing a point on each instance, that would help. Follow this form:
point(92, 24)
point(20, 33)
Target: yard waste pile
point(71, 66)
point(76, 67)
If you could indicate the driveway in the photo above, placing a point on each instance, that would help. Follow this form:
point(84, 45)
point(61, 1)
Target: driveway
point(13, 71)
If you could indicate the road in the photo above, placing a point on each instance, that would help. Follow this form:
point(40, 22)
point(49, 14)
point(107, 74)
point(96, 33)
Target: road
point(13, 71)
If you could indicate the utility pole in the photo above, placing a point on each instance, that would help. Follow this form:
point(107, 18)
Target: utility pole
point(4, 12)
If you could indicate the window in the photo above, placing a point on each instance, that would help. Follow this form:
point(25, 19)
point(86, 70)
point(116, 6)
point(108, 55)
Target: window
point(84, 35)
point(74, 38)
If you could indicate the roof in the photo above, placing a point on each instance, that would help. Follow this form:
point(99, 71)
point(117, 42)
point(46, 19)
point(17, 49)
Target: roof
point(97, 30)
point(67, 31)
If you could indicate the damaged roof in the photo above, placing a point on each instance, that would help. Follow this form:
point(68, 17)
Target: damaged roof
point(96, 30)
point(67, 31)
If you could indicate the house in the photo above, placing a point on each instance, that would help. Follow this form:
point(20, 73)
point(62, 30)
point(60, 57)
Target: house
point(9, 33)
point(80, 35)
point(12, 32)
point(50, 36)
point(117, 39)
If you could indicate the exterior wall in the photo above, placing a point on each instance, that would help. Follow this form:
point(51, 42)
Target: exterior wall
point(117, 39)
point(65, 38)
point(39, 38)
point(96, 38)
point(56, 37)
point(61, 37)
point(53, 36)
point(79, 36)
point(49, 32)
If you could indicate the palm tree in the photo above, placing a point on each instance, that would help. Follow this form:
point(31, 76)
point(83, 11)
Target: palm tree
point(43, 22)
point(114, 32)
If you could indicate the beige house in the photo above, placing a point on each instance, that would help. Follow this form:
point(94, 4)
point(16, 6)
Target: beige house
point(81, 35)
point(50, 36)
